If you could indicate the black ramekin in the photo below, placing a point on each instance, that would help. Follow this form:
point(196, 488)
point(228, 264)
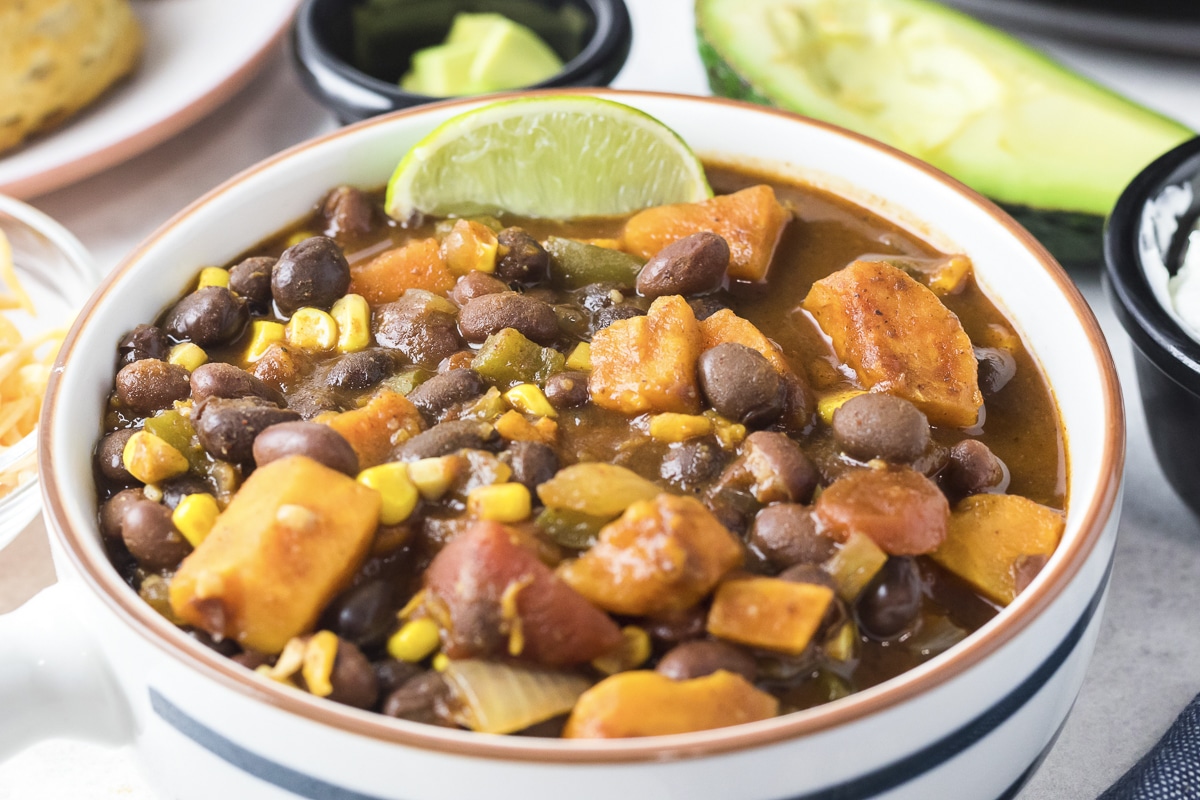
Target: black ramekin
point(1150, 224)
point(322, 45)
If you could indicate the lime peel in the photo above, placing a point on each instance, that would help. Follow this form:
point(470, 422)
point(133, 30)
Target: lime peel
point(560, 157)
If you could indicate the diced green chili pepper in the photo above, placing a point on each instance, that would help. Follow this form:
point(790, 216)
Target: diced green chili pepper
point(177, 430)
point(575, 264)
point(508, 358)
point(569, 528)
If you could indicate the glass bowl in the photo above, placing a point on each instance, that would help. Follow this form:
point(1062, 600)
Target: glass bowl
point(58, 275)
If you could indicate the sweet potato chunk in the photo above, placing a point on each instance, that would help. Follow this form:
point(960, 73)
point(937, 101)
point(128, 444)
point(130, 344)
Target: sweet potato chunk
point(386, 421)
point(289, 541)
point(414, 265)
point(899, 338)
point(992, 537)
point(768, 612)
point(648, 363)
point(645, 703)
point(902, 511)
point(751, 221)
point(497, 598)
point(661, 555)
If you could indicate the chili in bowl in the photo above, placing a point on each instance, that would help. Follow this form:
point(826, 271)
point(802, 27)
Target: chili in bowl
point(771, 473)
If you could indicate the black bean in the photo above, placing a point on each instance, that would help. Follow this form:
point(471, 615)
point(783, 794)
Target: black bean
point(425, 698)
point(892, 600)
point(974, 468)
point(596, 296)
point(741, 384)
point(144, 341)
point(532, 463)
point(319, 442)
point(312, 273)
point(491, 313)
point(365, 614)
point(446, 438)
point(209, 316)
point(218, 379)
point(567, 389)
point(609, 314)
point(353, 679)
point(309, 401)
point(112, 512)
point(109, 454)
point(996, 368)
point(778, 468)
point(151, 537)
point(362, 369)
point(705, 307)
point(178, 488)
point(250, 279)
point(692, 463)
point(418, 326)
point(876, 425)
point(695, 264)
point(674, 627)
point(526, 262)
point(699, 658)
point(442, 392)
point(392, 673)
point(151, 385)
point(227, 428)
point(786, 534)
point(348, 210)
point(476, 284)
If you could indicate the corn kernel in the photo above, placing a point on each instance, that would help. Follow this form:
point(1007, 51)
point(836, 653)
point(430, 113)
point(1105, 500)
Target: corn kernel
point(829, 403)
point(843, 645)
point(468, 247)
point(312, 329)
point(151, 459)
point(527, 397)
point(580, 358)
point(415, 640)
point(671, 427)
point(290, 661)
point(631, 653)
point(319, 656)
point(353, 316)
point(514, 427)
point(298, 237)
point(729, 434)
point(187, 355)
point(399, 494)
point(263, 334)
point(195, 516)
point(433, 477)
point(500, 502)
point(213, 276)
point(1001, 336)
point(440, 662)
point(152, 492)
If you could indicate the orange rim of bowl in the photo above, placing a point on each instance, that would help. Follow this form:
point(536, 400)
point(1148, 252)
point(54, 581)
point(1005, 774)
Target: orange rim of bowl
point(106, 582)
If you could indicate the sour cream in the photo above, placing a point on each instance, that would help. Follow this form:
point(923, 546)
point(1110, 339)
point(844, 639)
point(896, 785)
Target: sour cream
point(1184, 285)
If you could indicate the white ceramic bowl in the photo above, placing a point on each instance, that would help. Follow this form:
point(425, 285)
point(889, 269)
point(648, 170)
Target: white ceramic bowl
point(971, 723)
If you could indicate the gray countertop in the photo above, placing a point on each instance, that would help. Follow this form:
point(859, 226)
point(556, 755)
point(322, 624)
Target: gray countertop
point(1145, 667)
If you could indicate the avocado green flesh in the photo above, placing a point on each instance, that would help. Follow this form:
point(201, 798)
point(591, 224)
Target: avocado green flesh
point(969, 99)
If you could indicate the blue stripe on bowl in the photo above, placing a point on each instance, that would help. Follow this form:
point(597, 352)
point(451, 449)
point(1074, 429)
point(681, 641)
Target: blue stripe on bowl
point(870, 785)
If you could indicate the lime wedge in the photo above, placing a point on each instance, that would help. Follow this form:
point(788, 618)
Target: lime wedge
point(562, 157)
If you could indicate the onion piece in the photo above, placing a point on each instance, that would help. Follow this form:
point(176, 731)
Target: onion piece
point(503, 698)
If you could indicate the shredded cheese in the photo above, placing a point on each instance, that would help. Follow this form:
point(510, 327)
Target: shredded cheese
point(24, 372)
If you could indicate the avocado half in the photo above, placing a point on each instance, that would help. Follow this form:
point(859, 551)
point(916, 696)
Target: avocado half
point(1054, 148)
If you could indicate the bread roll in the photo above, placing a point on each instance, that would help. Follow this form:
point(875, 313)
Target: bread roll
point(56, 56)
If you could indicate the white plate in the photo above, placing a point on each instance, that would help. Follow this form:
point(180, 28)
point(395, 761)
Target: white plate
point(198, 53)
